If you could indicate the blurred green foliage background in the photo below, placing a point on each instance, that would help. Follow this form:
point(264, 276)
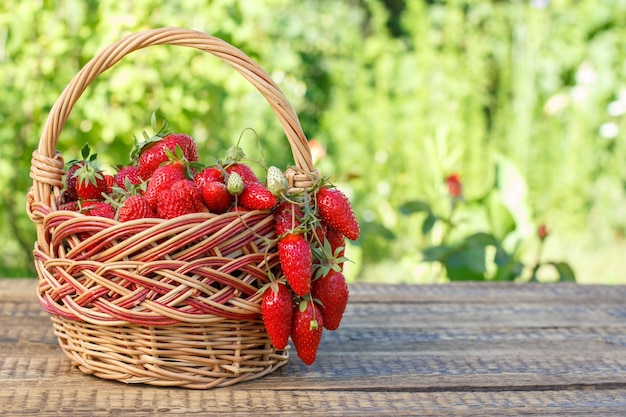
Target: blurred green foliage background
point(526, 100)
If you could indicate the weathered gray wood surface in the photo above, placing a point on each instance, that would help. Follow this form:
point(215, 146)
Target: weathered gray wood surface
point(463, 349)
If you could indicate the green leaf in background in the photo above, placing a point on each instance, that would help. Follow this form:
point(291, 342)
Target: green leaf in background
point(377, 229)
point(565, 271)
point(414, 206)
point(500, 219)
point(513, 194)
point(429, 223)
point(467, 263)
point(436, 253)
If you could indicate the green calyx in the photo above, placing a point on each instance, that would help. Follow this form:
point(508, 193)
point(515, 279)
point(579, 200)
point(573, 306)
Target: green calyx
point(159, 133)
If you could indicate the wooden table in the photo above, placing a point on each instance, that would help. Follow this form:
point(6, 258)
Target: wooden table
point(452, 350)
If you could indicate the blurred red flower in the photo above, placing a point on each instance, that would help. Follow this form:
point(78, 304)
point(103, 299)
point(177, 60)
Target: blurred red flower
point(455, 188)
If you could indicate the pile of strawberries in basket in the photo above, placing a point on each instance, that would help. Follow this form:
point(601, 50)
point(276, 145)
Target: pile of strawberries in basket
point(165, 180)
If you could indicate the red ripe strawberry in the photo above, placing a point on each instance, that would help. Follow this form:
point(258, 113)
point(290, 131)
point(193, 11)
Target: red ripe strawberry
point(135, 207)
point(244, 171)
point(110, 180)
point(70, 181)
point(255, 196)
point(277, 312)
point(162, 179)
point(332, 291)
point(130, 173)
point(335, 209)
point(153, 152)
point(98, 208)
point(296, 260)
point(216, 197)
point(70, 205)
point(91, 183)
point(306, 330)
point(183, 197)
point(207, 175)
point(337, 243)
point(317, 235)
point(287, 217)
point(186, 143)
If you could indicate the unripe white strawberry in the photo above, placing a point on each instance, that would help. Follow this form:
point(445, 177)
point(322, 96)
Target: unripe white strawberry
point(276, 181)
point(235, 184)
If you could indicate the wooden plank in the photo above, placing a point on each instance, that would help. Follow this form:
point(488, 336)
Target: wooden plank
point(372, 371)
point(18, 289)
point(480, 291)
point(85, 400)
point(456, 357)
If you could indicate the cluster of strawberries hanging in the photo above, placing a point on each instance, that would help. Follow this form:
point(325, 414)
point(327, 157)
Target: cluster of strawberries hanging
point(165, 180)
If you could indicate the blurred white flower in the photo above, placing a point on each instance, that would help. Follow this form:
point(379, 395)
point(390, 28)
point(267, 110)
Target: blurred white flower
point(540, 4)
point(616, 108)
point(381, 157)
point(369, 216)
point(609, 130)
point(586, 75)
point(555, 104)
point(579, 93)
point(383, 188)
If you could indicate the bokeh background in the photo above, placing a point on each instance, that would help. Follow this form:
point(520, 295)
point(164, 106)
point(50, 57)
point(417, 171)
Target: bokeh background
point(525, 101)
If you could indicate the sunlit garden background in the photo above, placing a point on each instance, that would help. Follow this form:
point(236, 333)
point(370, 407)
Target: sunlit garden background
point(476, 139)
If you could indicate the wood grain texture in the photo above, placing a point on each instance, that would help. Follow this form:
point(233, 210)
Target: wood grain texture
point(465, 349)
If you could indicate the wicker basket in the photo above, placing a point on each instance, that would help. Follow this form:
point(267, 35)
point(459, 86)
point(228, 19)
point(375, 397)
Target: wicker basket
point(153, 301)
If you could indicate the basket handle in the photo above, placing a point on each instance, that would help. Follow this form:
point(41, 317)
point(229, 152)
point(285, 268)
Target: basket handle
point(47, 163)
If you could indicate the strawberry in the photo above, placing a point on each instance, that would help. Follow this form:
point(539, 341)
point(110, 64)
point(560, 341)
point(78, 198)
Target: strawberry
point(234, 184)
point(98, 208)
point(296, 260)
point(153, 152)
point(335, 209)
point(183, 197)
point(135, 207)
point(287, 217)
point(70, 181)
point(317, 234)
point(186, 143)
point(255, 196)
point(72, 166)
point(337, 243)
point(277, 313)
point(130, 173)
point(208, 174)
point(332, 291)
point(216, 197)
point(162, 179)
point(70, 205)
point(276, 181)
point(306, 330)
point(91, 183)
point(244, 171)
